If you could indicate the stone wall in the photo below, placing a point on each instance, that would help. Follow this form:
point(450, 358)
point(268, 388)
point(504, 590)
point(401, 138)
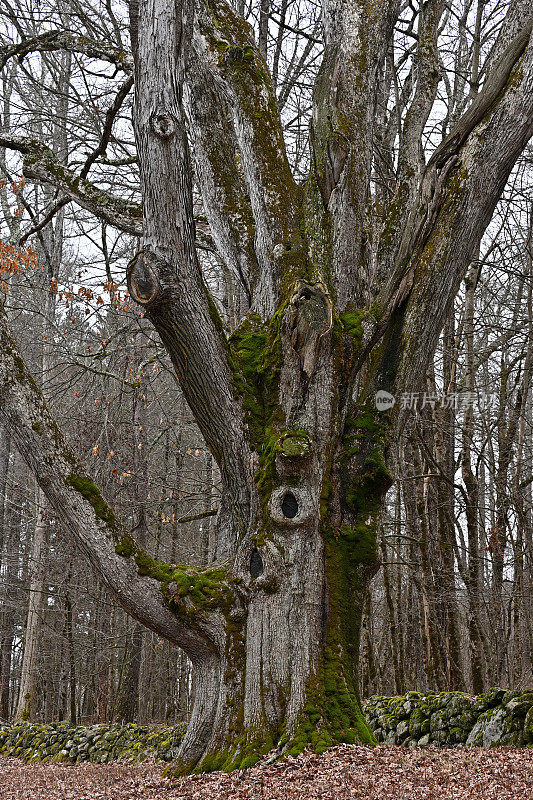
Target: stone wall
point(451, 719)
point(100, 743)
point(448, 719)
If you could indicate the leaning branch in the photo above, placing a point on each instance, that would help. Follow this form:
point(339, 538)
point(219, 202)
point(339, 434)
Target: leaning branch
point(438, 175)
point(183, 604)
point(475, 178)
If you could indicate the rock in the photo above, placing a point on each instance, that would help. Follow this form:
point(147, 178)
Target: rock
point(489, 699)
point(508, 696)
point(528, 727)
point(424, 740)
point(402, 730)
point(488, 730)
point(518, 707)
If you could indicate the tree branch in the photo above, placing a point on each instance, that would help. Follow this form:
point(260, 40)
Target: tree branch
point(111, 113)
point(234, 63)
point(41, 164)
point(357, 36)
point(125, 568)
point(225, 198)
point(435, 184)
point(474, 179)
point(63, 40)
point(165, 278)
point(410, 156)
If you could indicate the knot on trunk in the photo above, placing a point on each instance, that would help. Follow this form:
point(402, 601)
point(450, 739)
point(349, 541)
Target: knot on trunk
point(310, 318)
point(292, 505)
point(162, 124)
point(143, 283)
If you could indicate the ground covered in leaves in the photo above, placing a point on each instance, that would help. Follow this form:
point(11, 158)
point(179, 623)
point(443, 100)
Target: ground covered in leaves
point(372, 773)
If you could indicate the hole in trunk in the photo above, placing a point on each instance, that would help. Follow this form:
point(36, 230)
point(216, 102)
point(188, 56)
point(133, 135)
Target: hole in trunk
point(256, 563)
point(289, 505)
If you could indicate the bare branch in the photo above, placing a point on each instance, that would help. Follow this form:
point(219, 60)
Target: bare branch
point(63, 40)
point(40, 164)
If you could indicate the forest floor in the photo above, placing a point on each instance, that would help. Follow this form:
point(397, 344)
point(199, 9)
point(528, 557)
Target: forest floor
point(341, 773)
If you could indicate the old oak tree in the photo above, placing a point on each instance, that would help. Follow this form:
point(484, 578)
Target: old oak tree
point(286, 402)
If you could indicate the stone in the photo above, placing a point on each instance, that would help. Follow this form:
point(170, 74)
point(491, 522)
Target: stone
point(518, 707)
point(402, 730)
point(528, 727)
point(490, 699)
point(488, 730)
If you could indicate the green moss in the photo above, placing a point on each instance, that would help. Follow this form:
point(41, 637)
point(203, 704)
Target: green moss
point(366, 474)
point(205, 588)
point(90, 491)
point(294, 444)
point(126, 546)
point(332, 713)
point(38, 428)
point(256, 351)
point(243, 752)
point(352, 322)
point(22, 373)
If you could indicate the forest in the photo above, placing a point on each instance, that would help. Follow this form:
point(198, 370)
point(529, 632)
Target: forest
point(266, 365)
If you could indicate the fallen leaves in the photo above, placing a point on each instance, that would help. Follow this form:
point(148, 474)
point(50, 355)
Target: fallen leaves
point(341, 773)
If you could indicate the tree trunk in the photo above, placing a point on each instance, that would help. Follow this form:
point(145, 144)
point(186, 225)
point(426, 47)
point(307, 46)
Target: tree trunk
point(29, 678)
point(473, 578)
point(69, 630)
point(5, 450)
point(128, 701)
point(9, 603)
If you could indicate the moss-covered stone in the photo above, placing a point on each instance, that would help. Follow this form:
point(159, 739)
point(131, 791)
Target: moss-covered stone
point(65, 743)
point(454, 718)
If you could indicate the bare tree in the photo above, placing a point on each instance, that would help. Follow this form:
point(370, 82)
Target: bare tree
point(286, 404)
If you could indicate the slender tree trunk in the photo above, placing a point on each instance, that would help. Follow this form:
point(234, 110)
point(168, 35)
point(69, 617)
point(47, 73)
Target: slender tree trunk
point(5, 450)
point(29, 678)
point(397, 672)
point(473, 582)
point(69, 628)
point(9, 608)
point(128, 702)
